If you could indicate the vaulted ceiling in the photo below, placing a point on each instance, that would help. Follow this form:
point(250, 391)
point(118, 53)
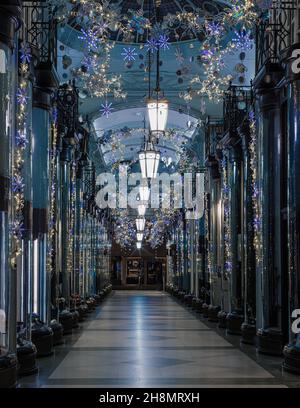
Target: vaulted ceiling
point(179, 64)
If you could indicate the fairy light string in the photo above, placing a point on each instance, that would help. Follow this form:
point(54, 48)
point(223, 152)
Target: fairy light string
point(227, 214)
point(70, 256)
point(20, 145)
point(98, 22)
point(52, 195)
point(255, 190)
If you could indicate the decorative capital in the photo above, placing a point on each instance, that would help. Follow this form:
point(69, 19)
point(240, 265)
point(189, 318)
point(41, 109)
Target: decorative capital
point(10, 21)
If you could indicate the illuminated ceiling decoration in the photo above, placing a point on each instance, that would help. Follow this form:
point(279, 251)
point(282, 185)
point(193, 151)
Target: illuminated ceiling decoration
point(100, 23)
point(221, 29)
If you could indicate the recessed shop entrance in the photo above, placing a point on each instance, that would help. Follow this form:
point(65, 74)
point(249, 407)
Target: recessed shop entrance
point(135, 272)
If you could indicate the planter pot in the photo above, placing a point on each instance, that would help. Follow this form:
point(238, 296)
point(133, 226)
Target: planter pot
point(8, 369)
point(248, 333)
point(188, 300)
point(176, 292)
point(199, 304)
point(66, 320)
point(42, 338)
point(26, 354)
point(97, 299)
point(291, 354)
point(75, 319)
point(234, 322)
point(194, 303)
point(58, 330)
point(205, 310)
point(213, 313)
point(181, 295)
point(222, 319)
point(270, 341)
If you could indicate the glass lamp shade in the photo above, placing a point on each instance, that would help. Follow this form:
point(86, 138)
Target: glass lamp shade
point(139, 245)
point(140, 224)
point(144, 192)
point(141, 209)
point(158, 114)
point(149, 161)
point(139, 236)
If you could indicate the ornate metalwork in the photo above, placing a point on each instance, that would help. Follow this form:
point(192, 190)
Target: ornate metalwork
point(274, 34)
point(41, 30)
point(89, 190)
point(67, 106)
point(237, 102)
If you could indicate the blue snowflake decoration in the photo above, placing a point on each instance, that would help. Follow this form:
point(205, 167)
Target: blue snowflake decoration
point(25, 53)
point(243, 40)
point(151, 45)
point(256, 223)
point(22, 97)
point(101, 27)
point(55, 115)
point(129, 54)
point(214, 29)
point(163, 42)
point(91, 38)
point(21, 139)
point(252, 115)
point(106, 109)
point(206, 55)
point(18, 184)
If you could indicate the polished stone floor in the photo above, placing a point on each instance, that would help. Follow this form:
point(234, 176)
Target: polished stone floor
point(148, 339)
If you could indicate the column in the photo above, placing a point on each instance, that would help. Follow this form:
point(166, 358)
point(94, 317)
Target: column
point(292, 351)
point(270, 297)
point(9, 23)
point(41, 137)
point(232, 232)
point(65, 174)
point(78, 230)
point(235, 225)
point(247, 238)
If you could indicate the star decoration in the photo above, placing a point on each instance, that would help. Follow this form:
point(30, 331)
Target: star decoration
point(106, 109)
point(18, 184)
point(91, 38)
point(101, 27)
point(21, 96)
point(25, 52)
point(179, 56)
point(129, 54)
point(243, 40)
point(151, 45)
point(214, 29)
point(163, 42)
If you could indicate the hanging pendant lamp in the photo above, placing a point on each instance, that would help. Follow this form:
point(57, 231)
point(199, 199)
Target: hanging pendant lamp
point(157, 105)
point(149, 159)
point(139, 236)
point(157, 114)
point(140, 224)
point(144, 190)
point(141, 210)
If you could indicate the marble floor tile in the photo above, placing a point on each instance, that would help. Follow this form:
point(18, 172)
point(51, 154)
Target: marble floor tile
point(147, 339)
